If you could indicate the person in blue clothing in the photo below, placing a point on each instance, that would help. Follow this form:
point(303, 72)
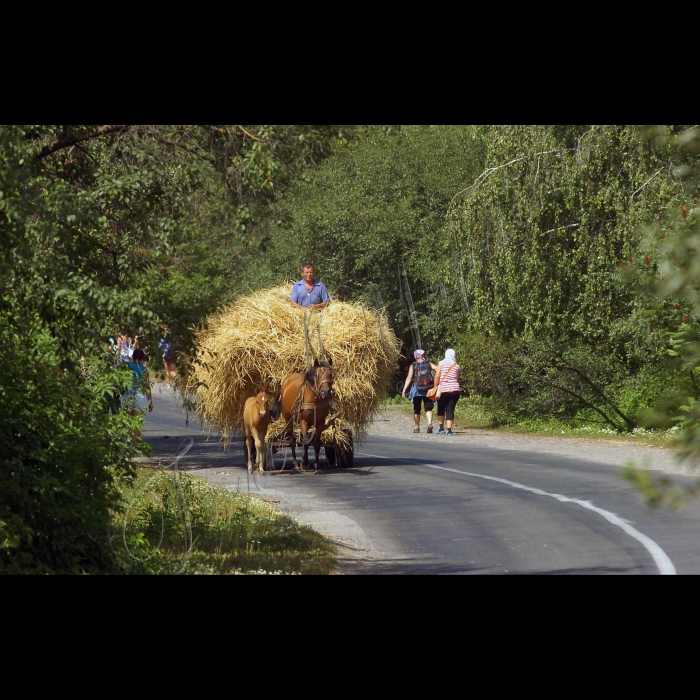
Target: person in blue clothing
point(308, 292)
point(137, 399)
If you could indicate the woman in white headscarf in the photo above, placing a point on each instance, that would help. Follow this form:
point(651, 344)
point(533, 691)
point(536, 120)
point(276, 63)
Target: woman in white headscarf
point(420, 376)
point(447, 378)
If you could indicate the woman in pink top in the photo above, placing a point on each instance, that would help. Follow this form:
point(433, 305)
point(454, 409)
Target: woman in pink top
point(447, 378)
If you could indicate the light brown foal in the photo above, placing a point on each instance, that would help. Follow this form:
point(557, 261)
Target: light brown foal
point(256, 418)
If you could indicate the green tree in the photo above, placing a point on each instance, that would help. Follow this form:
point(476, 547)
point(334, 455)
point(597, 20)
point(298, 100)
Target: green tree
point(539, 243)
point(375, 212)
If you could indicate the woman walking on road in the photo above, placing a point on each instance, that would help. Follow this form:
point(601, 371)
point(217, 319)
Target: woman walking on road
point(420, 374)
point(447, 378)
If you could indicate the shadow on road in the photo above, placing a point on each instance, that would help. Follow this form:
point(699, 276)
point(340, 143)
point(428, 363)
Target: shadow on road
point(583, 570)
point(405, 567)
point(210, 453)
point(417, 567)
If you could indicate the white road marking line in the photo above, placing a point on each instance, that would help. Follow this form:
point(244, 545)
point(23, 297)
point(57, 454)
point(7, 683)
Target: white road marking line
point(661, 559)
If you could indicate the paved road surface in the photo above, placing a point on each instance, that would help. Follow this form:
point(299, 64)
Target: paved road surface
point(441, 507)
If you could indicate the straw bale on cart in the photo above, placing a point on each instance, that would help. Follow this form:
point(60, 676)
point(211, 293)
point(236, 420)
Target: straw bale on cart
point(261, 339)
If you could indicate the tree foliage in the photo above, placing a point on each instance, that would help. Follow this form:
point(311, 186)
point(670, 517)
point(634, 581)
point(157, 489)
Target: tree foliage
point(538, 237)
point(541, 242)
point(375, 213)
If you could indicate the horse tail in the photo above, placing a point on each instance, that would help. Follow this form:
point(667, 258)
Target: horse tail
point(276, 407)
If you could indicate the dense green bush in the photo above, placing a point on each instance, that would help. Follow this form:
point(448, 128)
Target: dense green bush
point(55, 440)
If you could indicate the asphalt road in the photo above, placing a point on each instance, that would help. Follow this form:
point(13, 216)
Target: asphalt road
point(440, 507)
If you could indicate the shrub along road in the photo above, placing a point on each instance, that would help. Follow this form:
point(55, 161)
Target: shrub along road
point(444, 505)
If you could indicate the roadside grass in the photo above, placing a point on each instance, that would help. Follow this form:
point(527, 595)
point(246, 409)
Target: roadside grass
point(176, 523)
point(474, 413)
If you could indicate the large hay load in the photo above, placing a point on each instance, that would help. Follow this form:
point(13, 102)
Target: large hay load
point(261, 339)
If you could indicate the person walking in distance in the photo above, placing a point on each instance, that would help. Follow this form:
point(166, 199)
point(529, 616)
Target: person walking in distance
point(138, 399)
point(420, 377)
point(125, 348)
point(447, 380)
point(168, 345)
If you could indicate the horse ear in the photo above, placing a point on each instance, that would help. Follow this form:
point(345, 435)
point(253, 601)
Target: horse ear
point(316, 362)
point(330, 360)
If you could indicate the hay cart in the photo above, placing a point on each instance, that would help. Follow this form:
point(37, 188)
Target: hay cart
point(260, 339)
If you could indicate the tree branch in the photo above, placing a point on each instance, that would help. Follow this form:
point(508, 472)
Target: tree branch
point(167, 142)
point(585, 377)
point(489, 171)
point(247, 133)
point(72, 140)
point(218, 130)
point(639, 189)
point(580, 398)
point(552, 230)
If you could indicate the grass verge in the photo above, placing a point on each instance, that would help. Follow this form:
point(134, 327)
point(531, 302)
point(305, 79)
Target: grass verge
point(473, 413)
point(175, 523)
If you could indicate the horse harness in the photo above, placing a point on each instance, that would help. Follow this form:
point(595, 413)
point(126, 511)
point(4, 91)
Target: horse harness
point(307, 405)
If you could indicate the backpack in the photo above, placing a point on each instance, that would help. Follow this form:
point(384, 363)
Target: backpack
point(422, 376)
point(170, 349)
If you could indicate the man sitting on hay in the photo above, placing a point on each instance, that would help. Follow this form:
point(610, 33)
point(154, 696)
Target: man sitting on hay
point(309, 293)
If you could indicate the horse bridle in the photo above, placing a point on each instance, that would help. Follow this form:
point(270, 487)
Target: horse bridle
point(317, 389)
point(305, 406)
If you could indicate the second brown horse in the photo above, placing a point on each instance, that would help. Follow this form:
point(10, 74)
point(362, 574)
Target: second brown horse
point(305, 398)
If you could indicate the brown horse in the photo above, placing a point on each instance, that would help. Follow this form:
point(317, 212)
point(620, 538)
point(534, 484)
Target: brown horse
point(306, 400)
point(256, 418)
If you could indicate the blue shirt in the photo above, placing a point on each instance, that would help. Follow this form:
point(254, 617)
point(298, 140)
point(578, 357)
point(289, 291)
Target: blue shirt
point(302, 296)
point(138, 371)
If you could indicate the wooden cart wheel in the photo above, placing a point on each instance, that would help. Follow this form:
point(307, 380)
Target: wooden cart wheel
point(331, 455)
point(346, 457)
point(350, 458)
